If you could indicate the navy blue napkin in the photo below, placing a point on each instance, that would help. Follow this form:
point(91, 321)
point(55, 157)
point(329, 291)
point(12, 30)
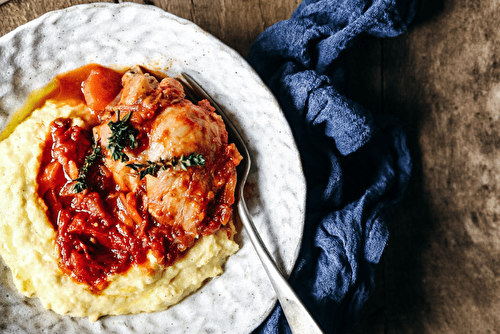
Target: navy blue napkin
point(356, 164)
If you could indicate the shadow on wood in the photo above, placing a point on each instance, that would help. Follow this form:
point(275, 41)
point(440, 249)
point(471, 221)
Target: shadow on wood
point(399, 301)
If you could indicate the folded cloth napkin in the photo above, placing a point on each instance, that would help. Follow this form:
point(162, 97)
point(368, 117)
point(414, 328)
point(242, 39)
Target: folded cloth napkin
point(356, 164)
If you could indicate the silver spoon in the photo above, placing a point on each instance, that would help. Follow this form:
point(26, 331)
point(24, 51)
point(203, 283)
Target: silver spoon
point(299, 319)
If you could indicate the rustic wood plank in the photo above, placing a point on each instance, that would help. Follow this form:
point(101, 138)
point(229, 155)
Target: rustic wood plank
point(237, 23)
point(19, 12)
point(443, 80)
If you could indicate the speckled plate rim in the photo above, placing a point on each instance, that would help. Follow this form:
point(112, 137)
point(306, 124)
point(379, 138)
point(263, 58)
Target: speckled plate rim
point(238, 300)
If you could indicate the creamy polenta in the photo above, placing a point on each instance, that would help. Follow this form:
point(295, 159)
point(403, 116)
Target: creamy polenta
point(28, 236)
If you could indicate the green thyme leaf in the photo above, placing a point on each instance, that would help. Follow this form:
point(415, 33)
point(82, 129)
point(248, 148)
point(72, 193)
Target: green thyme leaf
point(123, 135)
point(81, 180)
point(152, 168)
point(135, 166)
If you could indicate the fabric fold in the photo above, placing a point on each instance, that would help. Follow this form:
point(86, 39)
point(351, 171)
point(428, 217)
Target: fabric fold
point(356, 163)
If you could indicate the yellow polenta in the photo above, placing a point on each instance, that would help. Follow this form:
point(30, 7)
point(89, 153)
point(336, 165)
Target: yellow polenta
point(27, 241)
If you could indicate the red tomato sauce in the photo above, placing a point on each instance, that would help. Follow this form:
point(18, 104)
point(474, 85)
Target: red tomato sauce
point(93, 244)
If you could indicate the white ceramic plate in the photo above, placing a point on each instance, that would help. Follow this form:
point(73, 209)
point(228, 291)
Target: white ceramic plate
point(128, 34)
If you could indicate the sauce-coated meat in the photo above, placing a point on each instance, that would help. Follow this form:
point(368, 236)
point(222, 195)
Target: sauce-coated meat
point(147, 172)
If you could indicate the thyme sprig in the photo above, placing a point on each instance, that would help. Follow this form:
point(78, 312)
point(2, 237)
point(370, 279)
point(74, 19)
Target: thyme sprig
point(153, 167)
point(81, 180)
point(123, 135)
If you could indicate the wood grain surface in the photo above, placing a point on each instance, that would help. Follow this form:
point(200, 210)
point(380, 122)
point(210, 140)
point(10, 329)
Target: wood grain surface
point(235, 22)
point(441, 269)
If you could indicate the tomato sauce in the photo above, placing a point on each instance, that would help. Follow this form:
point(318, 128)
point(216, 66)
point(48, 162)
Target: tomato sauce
point(92, 242)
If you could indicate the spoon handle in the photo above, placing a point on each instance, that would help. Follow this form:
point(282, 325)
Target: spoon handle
point(296, 314)
point(299, 319)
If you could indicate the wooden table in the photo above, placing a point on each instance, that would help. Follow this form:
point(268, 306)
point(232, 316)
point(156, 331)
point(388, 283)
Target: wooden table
point(236, 22)
point(441, 269)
